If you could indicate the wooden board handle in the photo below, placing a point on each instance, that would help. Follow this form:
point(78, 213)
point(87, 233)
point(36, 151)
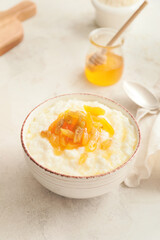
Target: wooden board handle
point(22, 11)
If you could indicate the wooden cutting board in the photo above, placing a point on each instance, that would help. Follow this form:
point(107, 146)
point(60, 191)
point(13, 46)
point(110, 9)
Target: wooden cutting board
point(11, 30)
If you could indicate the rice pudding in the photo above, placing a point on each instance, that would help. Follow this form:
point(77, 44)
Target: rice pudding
point(80, 138)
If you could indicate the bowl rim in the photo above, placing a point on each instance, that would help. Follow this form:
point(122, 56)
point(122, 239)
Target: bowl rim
point(70, 176)
point(107, 7)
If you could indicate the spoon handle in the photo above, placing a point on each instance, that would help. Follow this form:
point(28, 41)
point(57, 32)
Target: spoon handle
point(143, 114)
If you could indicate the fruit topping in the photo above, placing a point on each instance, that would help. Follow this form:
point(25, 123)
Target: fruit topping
point(83, 158)
point(106, 144)
point(94, 110)
point(73, 129)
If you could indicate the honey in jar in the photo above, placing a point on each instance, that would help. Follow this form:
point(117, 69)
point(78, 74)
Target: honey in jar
point(110, 70)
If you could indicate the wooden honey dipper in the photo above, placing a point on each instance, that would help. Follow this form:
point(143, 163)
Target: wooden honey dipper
point(11, 30)
point(99, 58)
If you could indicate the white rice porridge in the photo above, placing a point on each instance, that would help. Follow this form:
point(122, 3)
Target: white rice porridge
point(98, 162)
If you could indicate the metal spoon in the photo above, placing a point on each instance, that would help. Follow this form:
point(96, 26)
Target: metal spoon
point(141, 95)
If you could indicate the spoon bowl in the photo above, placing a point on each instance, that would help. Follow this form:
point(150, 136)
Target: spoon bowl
point(141, 95)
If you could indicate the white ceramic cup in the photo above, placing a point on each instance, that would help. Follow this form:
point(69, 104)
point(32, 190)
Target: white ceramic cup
point(113, 17)
point(72, 186)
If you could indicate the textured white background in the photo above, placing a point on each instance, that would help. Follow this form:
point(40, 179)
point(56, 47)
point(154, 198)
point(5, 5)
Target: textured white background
point(50, 61)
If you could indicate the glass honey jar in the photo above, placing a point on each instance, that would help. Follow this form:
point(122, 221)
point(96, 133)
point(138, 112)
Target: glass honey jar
point(104, 64)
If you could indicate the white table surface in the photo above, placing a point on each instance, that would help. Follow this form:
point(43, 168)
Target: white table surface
point(48, 62)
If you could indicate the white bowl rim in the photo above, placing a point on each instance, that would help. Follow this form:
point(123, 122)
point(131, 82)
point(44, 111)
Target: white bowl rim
point(105, 7)
point(70, 176)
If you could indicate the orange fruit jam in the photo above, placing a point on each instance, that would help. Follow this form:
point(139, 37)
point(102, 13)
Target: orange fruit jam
point(73, 129)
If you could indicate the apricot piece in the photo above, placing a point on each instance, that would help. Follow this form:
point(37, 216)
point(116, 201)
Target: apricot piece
point(82, 158)
point(85, 137)
point(82, 123)
point(78, 135)
point(89, 122)
point(52, 126)
point(58, 126)
point(92, 144)
point(70, 146)
point(62, 141)
point(72, 115)
point(70, 120)
point(94, 110)
point(54, 140)
point(106, 144)
point(107, 126)
point(45, 134)
point(98, 125)
point(57, 151)
point(67, 133)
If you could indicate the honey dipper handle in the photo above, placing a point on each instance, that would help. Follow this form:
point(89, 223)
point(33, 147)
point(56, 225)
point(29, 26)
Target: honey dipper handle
point(22, 11)
point(130, 20)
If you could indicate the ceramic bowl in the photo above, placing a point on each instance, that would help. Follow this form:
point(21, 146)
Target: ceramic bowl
point(72, 186)
point(113, 17)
